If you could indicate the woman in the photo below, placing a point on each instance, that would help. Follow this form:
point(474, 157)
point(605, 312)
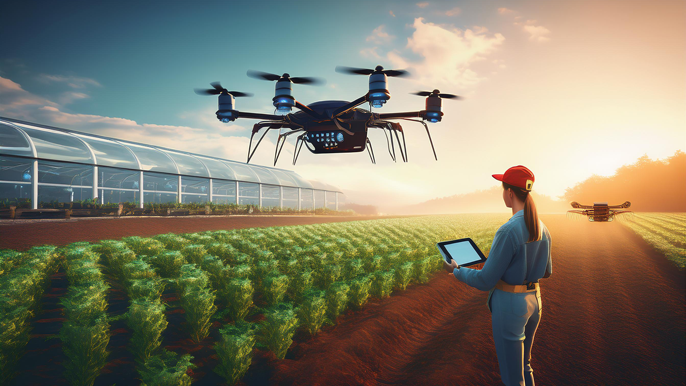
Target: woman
point(519, 257)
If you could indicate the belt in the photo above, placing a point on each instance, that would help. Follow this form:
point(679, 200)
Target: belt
point(530, 287)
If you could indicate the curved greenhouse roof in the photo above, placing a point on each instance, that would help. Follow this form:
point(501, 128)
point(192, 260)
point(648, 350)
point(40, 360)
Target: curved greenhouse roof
point(26, 139)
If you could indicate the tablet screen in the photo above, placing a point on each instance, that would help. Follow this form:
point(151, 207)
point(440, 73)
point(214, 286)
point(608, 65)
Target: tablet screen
point(462, 253)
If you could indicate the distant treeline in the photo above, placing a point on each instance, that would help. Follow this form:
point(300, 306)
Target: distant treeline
point(650, 186)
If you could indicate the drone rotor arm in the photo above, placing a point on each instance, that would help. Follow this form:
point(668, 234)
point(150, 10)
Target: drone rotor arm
point(345, 108)
point(309, 111)
point(401, 115)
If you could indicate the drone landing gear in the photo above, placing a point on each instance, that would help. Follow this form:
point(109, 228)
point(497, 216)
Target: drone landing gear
point(370, 151)
point(427, 133)
point(279, 142)
point(393, 129)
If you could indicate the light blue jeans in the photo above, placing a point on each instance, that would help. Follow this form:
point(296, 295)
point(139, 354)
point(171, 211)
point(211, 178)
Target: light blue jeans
point(515, 318)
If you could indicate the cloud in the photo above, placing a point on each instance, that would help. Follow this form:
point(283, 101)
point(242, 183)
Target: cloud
point(391, 13)
point(447, 53)
point(71, 81)
point(70, 96)
point(453, 12)
point(380, 36)
point(505, 11)
point(14, 99)
point(536, 32)
point(370, 53)
point(422, 4)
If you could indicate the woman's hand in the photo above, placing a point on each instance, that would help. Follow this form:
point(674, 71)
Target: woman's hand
point(450, 267)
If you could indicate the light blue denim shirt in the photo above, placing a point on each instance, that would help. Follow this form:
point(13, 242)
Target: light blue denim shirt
point(511, 258)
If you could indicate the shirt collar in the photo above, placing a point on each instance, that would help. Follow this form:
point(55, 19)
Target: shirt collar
point(518, 214)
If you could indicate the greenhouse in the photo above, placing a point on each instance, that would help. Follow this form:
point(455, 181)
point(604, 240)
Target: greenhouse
point(46, 164)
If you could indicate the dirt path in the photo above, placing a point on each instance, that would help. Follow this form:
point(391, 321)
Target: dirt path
point(613, 314)
point(23, 234)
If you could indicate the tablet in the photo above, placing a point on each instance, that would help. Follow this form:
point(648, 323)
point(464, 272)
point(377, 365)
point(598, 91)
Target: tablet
point(463, 251)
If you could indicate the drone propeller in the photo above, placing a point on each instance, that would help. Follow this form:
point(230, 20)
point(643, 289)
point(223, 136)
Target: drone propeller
point(438, 93)
point(218, 89)
point(297, 80)
point(366, 71)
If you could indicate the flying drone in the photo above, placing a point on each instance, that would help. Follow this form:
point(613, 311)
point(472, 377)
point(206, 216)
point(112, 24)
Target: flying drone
point(331, 126)
point(600, 211)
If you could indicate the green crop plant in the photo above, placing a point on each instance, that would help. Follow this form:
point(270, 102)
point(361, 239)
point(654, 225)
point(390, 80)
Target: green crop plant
point(352, 269)
point(274, 287)
point(116, 261)
point(403, 275)
point(239, 293)
point(326, 275)
point(194, 253)
point(10, 259)
point(234, 350)
point(85, 346)
point(146, 320)
point(148, 289)
point(190, 276)
point(198, 305)
point(242, 271)
point(172, 241)
point(79, 271)
point(373, 264)
point(360, 289)
point(223, 251)
point(312, 311)
point(138, 269)
point(300, 282)
point(382, 283)
point(421, 269)
point(14, 335)
point(277, 329)
point(143, 246)
point(336, 300)
point(168, 264)
point(85, 302)
point(166, 369)
point(216, 271)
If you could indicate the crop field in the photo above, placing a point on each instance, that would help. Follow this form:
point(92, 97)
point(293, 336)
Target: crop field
point(666, 232)
point(237, 291)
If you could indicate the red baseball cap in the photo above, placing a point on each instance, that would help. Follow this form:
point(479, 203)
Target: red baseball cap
point(518, 176)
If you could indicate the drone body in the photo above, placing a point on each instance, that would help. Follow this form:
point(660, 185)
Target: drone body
point(599, 211)
point(330, 126)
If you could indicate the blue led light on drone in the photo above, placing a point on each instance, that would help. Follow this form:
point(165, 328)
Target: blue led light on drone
point(434, 120)
point(226, 120)
point(27, 176)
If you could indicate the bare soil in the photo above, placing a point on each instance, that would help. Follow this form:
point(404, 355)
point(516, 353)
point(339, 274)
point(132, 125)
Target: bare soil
point(613, 314)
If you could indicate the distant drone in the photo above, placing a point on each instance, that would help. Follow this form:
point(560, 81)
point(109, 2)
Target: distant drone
point(330, 126)
point(600, 211)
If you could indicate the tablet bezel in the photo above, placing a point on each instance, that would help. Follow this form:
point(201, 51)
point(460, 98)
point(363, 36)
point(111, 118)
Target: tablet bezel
point(444, 252)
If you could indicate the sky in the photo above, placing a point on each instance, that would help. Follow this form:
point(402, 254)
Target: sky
point(569, 89)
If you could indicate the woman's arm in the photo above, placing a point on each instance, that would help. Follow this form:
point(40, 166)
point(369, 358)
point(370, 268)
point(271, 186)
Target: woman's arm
point(499, 258)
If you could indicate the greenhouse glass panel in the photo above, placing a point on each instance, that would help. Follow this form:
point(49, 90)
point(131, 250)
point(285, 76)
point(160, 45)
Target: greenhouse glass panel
point(290, 193)
point(15, 169)
point(9, 193)
point(301, 182)
point(109, 153)
point(306, 201)
point(290, 204)
point(246, 189)
point(269, 191)
point(50, 195)
point(223, 200)
point(195, 185)
point(160, 182)
point(243, 172)
point(13, 142)
point(188, 165)
point(218, 169)
point(158, 198)
point(266, 177)
point(284, 178)
point(152, 160)
point(118, 178)
point(248, 201)
point(64, 173)
point(195, 198)
point(224, 188)
point(319, 199)
point(271, 202)
point(116, 196)
point(331, 200)
point(58, 146)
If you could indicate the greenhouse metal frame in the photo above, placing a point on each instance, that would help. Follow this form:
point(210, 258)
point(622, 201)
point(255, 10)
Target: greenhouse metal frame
point(45, 164)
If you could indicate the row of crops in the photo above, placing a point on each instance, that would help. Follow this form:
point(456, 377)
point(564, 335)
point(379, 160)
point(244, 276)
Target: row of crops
point(262, 286)
point(666, 232)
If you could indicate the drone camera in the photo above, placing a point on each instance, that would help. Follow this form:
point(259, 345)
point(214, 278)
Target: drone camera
point(226, 112)
point(378, 90)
